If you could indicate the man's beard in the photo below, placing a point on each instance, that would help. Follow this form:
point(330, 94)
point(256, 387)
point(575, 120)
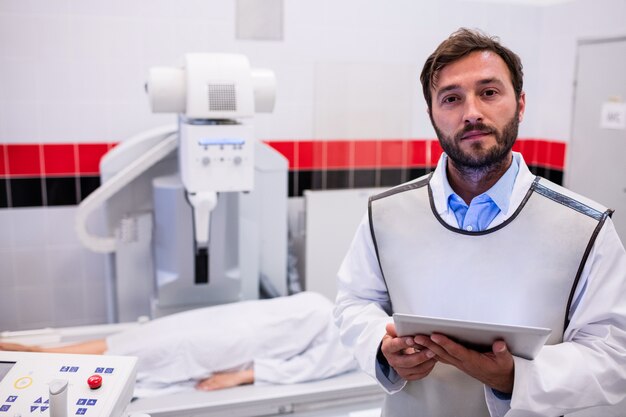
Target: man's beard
point(481, 160)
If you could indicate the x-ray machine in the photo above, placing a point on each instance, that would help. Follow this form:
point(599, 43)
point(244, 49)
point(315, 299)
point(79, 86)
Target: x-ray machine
point(195, 213)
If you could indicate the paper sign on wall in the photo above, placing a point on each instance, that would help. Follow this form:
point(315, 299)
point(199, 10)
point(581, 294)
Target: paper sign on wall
point(613, 116)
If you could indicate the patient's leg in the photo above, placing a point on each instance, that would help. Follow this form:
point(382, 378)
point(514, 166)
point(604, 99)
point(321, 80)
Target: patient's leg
point(93, 347)
point(16, 347)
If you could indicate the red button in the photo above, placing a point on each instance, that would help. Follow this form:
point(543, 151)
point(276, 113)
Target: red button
point(94, 381)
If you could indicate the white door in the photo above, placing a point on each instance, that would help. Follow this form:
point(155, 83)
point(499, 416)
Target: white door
point(596, 165)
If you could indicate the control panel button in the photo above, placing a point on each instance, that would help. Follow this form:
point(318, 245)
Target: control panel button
point(94, 381)
point(23, 382)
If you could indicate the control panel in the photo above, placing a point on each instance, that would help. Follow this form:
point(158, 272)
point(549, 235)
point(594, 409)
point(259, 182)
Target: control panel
point(65, 385)
point(216, 157)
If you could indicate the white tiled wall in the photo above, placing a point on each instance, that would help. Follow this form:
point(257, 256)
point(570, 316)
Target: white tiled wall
point(47, 278)
point(363, 100)
point(561, 28)
point(73, 71)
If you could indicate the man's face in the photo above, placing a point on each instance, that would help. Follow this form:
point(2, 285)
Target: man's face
point(474, 110)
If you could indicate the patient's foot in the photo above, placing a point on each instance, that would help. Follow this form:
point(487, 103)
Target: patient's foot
point(16, 347)
point(226, 380)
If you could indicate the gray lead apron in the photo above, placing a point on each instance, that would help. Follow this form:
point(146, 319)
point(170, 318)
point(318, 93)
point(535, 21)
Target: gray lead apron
point(521, 272)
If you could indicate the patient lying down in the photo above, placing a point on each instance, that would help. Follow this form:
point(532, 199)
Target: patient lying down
point(282, 340)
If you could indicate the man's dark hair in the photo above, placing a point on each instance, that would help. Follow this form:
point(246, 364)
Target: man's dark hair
point(460, 44)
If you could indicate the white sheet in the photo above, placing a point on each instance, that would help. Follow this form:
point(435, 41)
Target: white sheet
point(287, 340)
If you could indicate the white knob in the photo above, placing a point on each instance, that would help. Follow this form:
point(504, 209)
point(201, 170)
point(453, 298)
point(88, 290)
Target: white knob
point(58, 398)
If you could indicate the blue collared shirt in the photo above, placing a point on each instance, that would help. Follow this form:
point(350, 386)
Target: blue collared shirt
point(484, 207)
point(482, 210)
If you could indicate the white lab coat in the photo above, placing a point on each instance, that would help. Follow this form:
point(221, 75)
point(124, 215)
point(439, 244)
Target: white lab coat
point(285, 340)
point(588, 369)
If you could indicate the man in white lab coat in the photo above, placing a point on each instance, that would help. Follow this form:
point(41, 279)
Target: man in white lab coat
point(483, 239)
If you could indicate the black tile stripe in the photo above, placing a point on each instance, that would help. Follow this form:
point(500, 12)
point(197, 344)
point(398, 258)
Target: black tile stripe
point(61, 191)
point(292, 184)
point(554, 175)
point(364, 178)
point(87, 185)
point(391, 177)
point(26, 192)
point(413, 173)
point(304, 181)
point(4, 193)
point(45, 191)
point(337, 179)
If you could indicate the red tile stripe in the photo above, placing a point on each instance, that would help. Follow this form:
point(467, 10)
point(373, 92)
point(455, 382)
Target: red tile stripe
point(51, 159)
point(68, 159)
point(24, 160)
point(59, 159)
point(544, 153)
point(411, 153)
point(89, 155)
point(3, 160)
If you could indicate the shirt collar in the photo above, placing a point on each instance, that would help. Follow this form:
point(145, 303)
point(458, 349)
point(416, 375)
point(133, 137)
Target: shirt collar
point(500, 192)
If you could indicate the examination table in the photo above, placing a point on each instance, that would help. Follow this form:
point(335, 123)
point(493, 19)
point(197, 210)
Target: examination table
point(353, 394)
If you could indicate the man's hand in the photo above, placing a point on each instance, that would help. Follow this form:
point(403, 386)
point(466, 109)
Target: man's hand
point(226, 380)
point(494, 369)
point(410, 361)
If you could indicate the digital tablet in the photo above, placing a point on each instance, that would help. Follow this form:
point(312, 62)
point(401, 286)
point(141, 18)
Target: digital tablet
point(522, 341)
